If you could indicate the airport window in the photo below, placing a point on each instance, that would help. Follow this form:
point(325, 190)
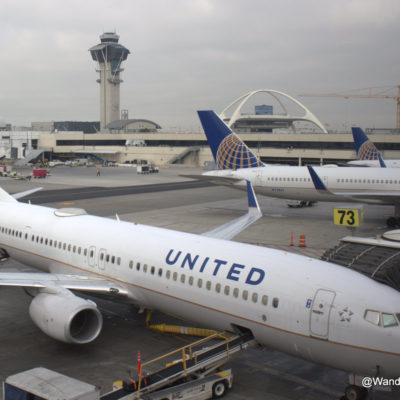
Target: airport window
point(145, 268)
point(388, 320)
point(152, 270)
point(199, 282)
point(254, 297)
point(159, 271)
point(235, 292)
point(175, 276)
point(227, 290)
point(245, 294)
point(119, 261)
point(190, 281)
point(168, 274)
point(264, 300)
point(218, 287)
point(275, 302)
point(208, 285)
point(183, 277)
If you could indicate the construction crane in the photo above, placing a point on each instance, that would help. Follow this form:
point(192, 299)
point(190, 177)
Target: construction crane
point(369, 95)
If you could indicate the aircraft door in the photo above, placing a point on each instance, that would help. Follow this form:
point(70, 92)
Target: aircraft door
point(320, 313)
point(92, 256)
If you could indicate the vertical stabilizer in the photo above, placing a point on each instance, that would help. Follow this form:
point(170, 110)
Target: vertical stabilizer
point(229, 151)
point(365, 149)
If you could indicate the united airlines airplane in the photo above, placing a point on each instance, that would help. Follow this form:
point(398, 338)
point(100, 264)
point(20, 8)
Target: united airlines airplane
point(367, 153)
point(237, 163)
point(302, 306)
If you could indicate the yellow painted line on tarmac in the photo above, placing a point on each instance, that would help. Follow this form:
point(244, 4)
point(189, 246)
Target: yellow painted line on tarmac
point(66, 203)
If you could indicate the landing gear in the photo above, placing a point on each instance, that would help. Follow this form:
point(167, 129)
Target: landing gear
point(353, 392)
point(393, 222)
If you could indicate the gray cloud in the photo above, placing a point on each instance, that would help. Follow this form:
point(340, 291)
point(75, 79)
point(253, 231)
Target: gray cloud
point(191, 54)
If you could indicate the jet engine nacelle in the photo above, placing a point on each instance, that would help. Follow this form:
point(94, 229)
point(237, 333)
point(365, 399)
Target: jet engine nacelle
point(70, 319)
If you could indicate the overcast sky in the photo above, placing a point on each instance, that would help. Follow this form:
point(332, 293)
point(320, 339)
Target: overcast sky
point(199, 54)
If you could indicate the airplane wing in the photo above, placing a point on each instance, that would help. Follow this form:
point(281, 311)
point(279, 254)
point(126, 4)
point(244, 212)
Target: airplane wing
point(233, 228)
point(26, 193)
point(369, 196)
point(219, 180)
point(72, 282)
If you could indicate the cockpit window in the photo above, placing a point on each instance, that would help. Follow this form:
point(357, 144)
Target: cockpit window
point(377, 318)
point(372, 316)
point(388, 320)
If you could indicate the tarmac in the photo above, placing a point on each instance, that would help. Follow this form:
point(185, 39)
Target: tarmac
point(259, 373)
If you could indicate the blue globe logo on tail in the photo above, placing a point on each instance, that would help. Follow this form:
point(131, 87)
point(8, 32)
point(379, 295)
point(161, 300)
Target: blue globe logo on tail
point(368, 151)
point(232, 153)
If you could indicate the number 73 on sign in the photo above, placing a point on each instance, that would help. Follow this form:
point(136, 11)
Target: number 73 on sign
point(348, 216)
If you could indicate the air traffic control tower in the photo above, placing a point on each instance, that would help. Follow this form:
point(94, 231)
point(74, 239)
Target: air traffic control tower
point(109, 56)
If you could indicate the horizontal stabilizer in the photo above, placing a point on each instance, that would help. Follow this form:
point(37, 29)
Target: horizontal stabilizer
point(25, 193)
point(218, 180)
point(233, 228)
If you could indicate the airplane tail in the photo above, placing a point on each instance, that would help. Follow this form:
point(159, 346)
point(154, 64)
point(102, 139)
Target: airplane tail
point(228, 150)
point(365, 149)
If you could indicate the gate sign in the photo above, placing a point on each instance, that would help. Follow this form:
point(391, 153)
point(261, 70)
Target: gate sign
point(352, 217)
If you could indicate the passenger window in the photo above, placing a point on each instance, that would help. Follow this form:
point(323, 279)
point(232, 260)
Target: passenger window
point(254, 297)
point(79, 250)
point(264, 300)
point(145, 268)
point(227, 290)
point(235, 292)
point(218, 287)
point(65, 246)
point(138, 266)
point(175, 276)
point(113, 259)
point(160, 272)
point(183, 277)
point(191, 279)
point(119, 261)
point(372, 316)
point(50, 242)
point(275, 302)
point(84, 252)
point(245, 295)
point(101, 256)
point(388, 320)
point(107, 258)
point(208, 285)
point(152, 270)
point(69, 247)
point(130, 264)
point(168, 274)
point(26, 236)
point(200, 282)
point(74, 249)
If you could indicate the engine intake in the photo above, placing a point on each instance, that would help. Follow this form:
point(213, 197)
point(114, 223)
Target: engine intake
point(69, 319)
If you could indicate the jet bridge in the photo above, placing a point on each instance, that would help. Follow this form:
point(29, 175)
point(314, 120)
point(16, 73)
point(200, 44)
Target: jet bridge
point(197, 359)
point(378, 258)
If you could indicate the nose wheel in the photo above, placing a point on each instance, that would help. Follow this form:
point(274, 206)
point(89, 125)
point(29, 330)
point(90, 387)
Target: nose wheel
point(353, 392)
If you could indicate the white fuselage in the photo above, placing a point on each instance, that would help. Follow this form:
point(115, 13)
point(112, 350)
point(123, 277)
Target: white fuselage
point(372, 185)
point(302, 306)
point(374, 163)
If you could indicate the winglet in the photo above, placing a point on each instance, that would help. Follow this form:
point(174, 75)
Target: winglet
point(251, 197)
point(233, 228)
point(318, 184)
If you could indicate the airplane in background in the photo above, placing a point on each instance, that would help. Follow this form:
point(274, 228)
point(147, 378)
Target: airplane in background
point(306, 307)
point(237, 164)
point(367, 153)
